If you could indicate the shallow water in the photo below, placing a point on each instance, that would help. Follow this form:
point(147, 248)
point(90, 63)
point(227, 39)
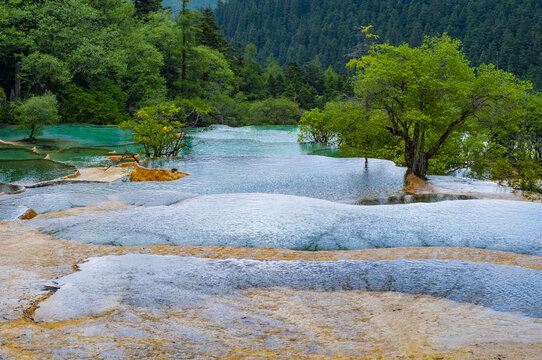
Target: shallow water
point(153, 281)
point(252, 141)
point(31, 171)
point(65, 136)
point(302, 223)
point(256, 187)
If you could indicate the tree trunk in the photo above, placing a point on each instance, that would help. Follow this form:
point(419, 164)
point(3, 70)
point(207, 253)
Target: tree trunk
point(18, 80)
point(416, 159)
point(183, 54)
point(32, 129)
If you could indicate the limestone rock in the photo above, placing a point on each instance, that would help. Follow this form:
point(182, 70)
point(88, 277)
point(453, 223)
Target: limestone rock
point(142, 174)
point(29, 214)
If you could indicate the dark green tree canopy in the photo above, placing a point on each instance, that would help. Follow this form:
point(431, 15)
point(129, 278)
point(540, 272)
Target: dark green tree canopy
point(505, 33)
point(144, 7)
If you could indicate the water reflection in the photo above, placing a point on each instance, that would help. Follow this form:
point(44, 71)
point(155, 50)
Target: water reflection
point(408, 199)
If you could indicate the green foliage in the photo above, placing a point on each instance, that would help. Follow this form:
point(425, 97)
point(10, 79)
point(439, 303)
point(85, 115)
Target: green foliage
point(156, 129)
point(6, 111)
point(430, 94)
point(348, 125)
point(36, 112)
point(206, 30)
point(104, 63)
point(197, 111)
point(43, 72)
point(314, 127)
point(252, 82)
point(513, 146)
point(144, 7)
point(270, 112)
point(208, 73)
point(102, 104)
point(3, 97)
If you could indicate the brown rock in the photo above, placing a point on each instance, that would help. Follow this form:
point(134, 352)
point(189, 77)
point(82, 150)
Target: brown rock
point(124, 158)
point(416, 185)
point(128, 164)
point(143, 174)
point(29, 214)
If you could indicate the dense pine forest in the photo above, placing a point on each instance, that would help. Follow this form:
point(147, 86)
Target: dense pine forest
point(503, 32)
point(194, 4)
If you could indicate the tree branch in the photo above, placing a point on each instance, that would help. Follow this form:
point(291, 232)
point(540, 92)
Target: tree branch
point(447, 133)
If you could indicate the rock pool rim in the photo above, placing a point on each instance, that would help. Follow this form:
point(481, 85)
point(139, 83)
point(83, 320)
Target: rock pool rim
point(11, 189)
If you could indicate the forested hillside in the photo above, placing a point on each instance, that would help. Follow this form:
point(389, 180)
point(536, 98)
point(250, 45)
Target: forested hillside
point(101, 61)
point(194, 4)
point(503, 32)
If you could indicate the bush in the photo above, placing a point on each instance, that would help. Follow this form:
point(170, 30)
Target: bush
point(270, 112)
point(155, 128)
point(36, 112)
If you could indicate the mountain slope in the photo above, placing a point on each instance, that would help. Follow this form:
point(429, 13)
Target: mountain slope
point(194, 4)
point(503, 32)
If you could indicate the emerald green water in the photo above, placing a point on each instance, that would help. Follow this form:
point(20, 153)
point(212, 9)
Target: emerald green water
point(8, 152)
point(67, 146)
point(29, 171)
point(73, 135)
point(89, 146)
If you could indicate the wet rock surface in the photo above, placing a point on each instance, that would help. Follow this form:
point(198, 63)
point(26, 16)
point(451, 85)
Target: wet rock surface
point(299, 223)
point(11, 189)
point(153, 281)
point(256, 322)
point(423, 290)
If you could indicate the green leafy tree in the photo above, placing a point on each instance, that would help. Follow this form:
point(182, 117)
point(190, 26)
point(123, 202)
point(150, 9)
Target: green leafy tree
point(512, 148)
point(429, 93)
point(271, 112)
point(185, 21)
point(294, 81)
point(103, 104)
point(208, 73)
point(348, 125)
point(252, 79)
point(207, 31)
point(6, 116)
point(36, 112)
point(314, 127)
point(156, 128)
point(3, 97)
point(44, 72)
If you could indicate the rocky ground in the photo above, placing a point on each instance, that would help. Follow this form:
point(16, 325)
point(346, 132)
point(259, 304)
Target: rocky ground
point(256, 322)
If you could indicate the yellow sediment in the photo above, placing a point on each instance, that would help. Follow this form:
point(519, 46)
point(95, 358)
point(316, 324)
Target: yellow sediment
point(142, 174)
point(109, 174)
point(340, 324)
point(13, 143)
point(416, 185)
